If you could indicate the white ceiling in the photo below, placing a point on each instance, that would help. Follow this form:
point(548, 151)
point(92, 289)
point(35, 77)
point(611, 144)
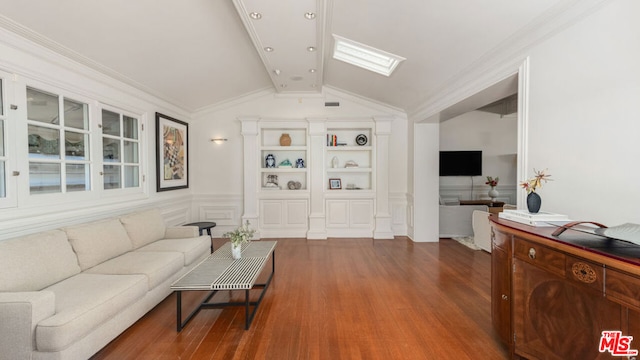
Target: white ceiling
point(198, 53)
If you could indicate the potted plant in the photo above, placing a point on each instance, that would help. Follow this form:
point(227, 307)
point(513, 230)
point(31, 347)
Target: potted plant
point(533, 199)
point(493, 193)
point(237, 237)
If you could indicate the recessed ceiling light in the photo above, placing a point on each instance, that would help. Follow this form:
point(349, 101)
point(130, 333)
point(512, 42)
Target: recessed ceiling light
point(276, 71)
point(312, 70)
point(313, 85)
point(311, 49)
point(309, 15)
point(255, 15)
point(283, 85)
point(268, 49)
point(365, 56)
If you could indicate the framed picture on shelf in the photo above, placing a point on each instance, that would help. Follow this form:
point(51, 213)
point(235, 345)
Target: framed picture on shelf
point(335, 184)
point(172, 144)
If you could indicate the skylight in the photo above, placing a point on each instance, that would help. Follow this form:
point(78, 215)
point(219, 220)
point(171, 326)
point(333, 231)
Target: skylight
point(365, 56)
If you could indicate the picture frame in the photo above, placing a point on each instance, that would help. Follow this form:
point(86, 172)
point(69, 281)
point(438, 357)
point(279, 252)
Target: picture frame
point(335, 184)
point(172, 153)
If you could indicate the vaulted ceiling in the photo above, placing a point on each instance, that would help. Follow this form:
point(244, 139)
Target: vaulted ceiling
point(198, 53)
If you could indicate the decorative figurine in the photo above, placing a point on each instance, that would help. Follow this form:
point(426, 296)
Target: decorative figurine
point(272, 181)
point(285, 140)
point(300, 164)
point(285, 164)
point(334, 162)
point(270, 161)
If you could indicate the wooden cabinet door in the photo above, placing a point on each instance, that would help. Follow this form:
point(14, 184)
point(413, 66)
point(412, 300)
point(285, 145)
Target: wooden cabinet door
point(501, 285)
point(555, 318)
point(501, 294)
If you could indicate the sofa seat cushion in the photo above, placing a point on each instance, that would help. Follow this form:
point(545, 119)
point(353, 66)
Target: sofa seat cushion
point(157, 266)
point(191, 249)
point(144, 227)
point(98, 241)
point(84, 302)
point(33, 262)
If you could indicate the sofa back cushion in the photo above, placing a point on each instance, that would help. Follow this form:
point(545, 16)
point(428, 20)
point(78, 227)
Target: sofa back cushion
point(144, 227)
point(34, 262)
point(98, 241)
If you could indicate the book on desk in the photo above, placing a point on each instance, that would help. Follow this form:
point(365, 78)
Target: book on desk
point(538, 219)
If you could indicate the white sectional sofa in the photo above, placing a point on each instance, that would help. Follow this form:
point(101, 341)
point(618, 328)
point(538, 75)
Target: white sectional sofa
point(66, 293)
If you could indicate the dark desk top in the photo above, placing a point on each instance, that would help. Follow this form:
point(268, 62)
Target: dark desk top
point(489, 203)
point(580, 238)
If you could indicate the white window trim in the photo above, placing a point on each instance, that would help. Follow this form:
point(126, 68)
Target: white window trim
point(9, 158)
point(142, 155)
point(18, 154)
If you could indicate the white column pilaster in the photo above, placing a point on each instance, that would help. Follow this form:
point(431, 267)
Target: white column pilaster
point(383, 216)
point(317, 140)
point(251, 166)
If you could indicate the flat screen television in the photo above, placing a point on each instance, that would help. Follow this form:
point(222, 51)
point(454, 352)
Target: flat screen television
point(461, 163)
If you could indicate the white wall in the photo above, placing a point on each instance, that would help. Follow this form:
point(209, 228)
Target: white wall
point(217, 168)
point(29, 63)
point(581, 87)
point(496, 136)
point(424, 197)
point(583, 120)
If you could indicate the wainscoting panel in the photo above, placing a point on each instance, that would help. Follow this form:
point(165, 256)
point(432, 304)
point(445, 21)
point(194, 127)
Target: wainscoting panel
point(174, 208)
point(399, 213)
point(177, 214)
point(224, 210)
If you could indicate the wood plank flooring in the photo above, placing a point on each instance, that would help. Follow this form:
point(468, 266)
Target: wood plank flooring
point(339, 299)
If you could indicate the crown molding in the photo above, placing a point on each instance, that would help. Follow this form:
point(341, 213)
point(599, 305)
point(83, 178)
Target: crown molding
point(364, 101)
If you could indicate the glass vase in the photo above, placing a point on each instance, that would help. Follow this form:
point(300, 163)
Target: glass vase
point(236, 251)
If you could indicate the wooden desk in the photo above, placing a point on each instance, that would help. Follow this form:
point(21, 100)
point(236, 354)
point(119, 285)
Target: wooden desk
point(552, 297)
point(494, 207)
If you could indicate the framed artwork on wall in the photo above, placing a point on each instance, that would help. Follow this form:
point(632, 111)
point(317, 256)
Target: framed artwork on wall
point(172, 144)
point(335, 184)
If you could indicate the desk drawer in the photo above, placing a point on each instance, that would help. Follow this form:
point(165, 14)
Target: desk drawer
point(540, 256)
point(623, 286)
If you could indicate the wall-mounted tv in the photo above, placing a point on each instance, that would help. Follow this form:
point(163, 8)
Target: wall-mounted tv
point(461, 163)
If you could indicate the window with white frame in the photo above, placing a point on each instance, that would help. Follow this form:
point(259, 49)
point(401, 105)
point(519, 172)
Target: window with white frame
point(3, 151)
point(58, 143)
point(120, 150)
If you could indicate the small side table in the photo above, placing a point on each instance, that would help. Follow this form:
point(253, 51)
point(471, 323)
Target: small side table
point(204, 225)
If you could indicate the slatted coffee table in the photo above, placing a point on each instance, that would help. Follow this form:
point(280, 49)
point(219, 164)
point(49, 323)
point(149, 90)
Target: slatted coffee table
point(220, 271)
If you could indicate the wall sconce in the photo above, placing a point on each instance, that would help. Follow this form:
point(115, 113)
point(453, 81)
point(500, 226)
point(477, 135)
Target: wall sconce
point(219, 140)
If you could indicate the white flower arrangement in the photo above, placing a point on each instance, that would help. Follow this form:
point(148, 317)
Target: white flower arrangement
point(240, 235)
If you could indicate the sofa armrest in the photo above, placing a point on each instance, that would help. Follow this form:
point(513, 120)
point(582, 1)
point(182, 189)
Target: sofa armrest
point(20, 313)
point(181, 232)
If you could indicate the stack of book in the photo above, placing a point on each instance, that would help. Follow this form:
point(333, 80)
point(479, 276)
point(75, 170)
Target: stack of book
point(539, 219)
point(332, 140)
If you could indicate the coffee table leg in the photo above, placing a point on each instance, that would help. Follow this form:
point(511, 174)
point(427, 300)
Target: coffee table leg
point(179, 311)
point(247, 320)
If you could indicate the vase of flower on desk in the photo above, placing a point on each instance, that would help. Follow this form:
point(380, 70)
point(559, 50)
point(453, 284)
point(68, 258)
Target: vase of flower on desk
point(493, 193)
point(238, 237)
point(534, 201)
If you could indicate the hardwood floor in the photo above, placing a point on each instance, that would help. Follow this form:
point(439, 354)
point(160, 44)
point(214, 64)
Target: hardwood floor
point(339, 299)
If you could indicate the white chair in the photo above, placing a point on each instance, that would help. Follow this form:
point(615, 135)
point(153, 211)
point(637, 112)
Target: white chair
point(456, 220)
point(482, 230)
